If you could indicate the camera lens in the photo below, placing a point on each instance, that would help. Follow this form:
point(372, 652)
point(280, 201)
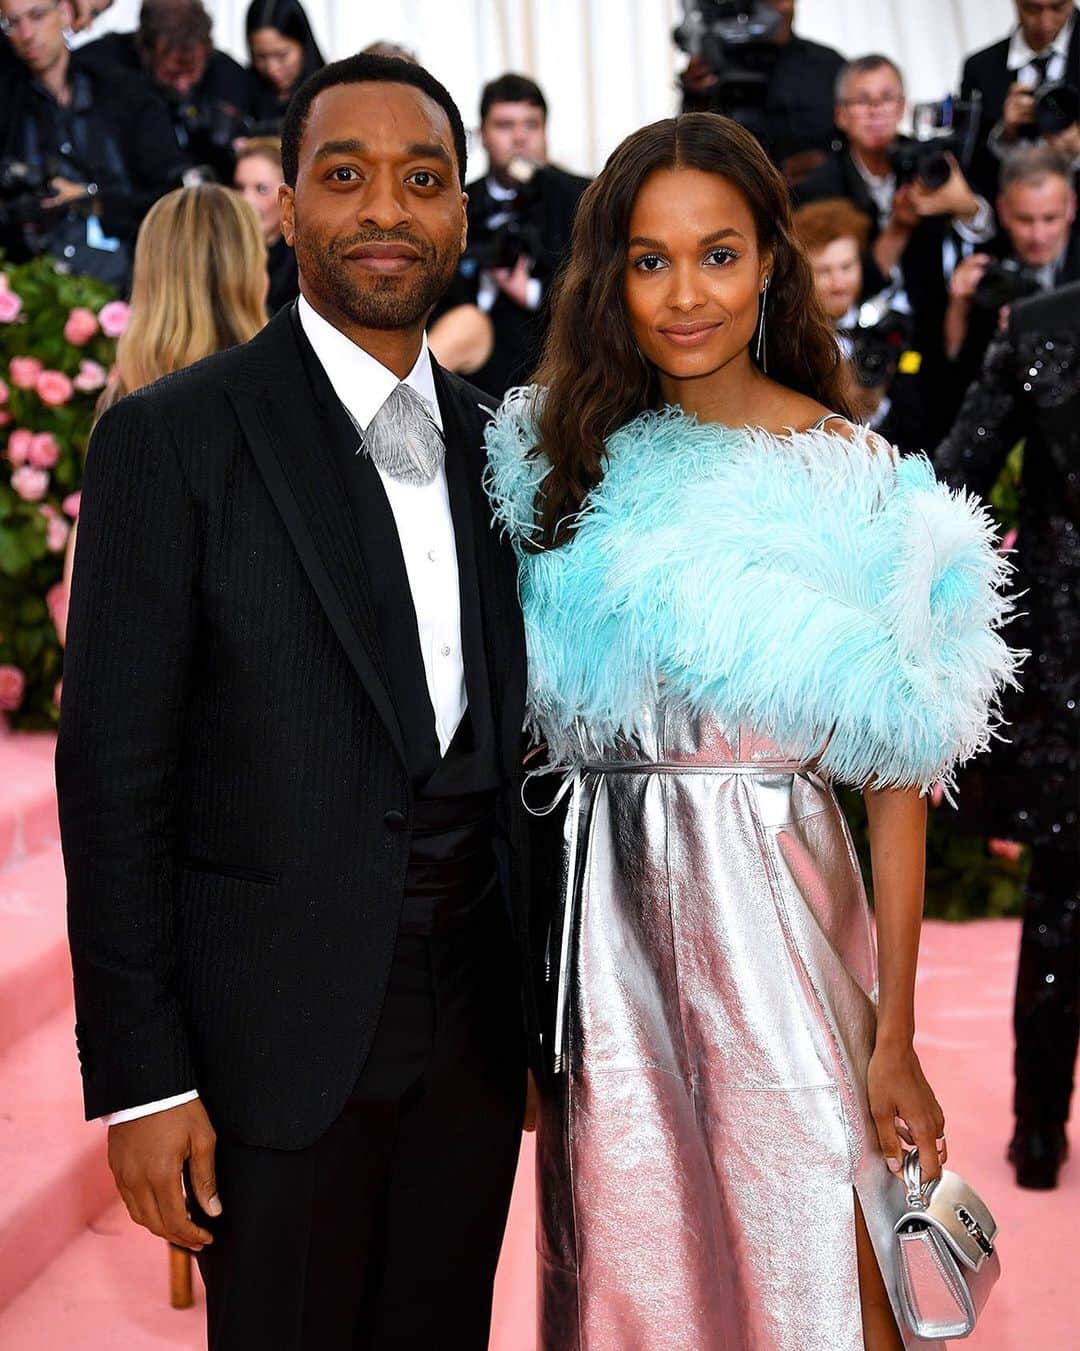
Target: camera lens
point(1057, 107)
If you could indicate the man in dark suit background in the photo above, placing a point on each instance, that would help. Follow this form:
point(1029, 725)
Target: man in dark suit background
point(1044, 48)
point(288, 768)
point(918, 234)
point(524, 209)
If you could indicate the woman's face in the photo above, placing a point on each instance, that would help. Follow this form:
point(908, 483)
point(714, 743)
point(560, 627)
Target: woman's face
point(838, 276)
point(279, 60)
point(693, 272)
point(257, 179)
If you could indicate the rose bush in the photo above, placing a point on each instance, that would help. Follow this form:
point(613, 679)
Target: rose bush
point(57, 342)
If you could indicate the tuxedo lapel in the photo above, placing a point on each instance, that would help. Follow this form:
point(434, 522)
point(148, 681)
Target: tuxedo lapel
point(465, 413)
point(289, 434)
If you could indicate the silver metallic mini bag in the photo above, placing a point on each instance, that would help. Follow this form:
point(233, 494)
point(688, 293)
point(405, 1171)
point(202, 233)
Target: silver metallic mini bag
point(946, 1261)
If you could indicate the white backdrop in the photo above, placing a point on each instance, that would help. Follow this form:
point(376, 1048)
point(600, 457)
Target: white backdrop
point(608, 66)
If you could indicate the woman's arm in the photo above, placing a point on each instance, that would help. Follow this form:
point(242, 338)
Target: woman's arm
point(896, 1084)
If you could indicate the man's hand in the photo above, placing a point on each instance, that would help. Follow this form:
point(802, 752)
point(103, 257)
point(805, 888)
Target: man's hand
point(513, 282)
point(1019, 111)
point(905, 214)
point(63, 193)
point(86, 11)
point(147, 1158)
point(954, 197)
point(1066, 142)
point(966, 278)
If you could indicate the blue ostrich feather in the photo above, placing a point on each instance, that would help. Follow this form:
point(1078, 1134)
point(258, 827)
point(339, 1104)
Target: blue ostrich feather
point(813, 586)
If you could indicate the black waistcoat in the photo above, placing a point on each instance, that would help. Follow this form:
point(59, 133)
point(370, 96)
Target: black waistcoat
point(470, 764)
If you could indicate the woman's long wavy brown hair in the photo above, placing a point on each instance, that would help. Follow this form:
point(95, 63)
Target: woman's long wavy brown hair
point(594, 377)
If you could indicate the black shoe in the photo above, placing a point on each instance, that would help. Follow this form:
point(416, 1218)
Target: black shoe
point(1037, 1153)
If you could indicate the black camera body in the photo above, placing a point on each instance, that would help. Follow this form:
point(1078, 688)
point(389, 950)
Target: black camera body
point(943, 129)
point(1003, 283)
point(24, 191)
point(516, 233)
point(877, 342)
point(1057, 108)
point(735, 40)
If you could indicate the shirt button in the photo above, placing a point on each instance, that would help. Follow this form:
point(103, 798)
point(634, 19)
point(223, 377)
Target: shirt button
point(432, 555)
point(69, 250)
point(446, 649)
point(395, 821)
point(65, 149)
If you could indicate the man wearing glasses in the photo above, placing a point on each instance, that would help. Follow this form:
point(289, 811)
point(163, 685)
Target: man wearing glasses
point(86, 156)
point(918, 234)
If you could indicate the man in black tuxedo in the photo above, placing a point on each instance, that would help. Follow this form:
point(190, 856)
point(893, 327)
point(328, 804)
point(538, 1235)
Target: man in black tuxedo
point(521, 215)
point(1044, 48)
point(288, 770)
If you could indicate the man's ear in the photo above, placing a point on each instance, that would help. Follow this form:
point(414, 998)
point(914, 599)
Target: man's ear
point(287, 202)
point(464, 221)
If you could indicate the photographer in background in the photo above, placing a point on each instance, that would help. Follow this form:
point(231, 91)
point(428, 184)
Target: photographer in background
point(882, 373)
point(206, 91)
point(83, 12)
point(1038, 250)
point(83, 155)
point(490, 325)
point(1029, 83)
point(924, 214)
point(747, 61)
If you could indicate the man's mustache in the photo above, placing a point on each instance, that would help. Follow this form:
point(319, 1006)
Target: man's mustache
point(422, 246)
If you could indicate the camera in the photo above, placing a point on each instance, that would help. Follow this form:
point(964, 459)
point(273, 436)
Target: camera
point(512, 234)
point(215, 124)
point(24, 191)
point(877, 342)
point(941, 129)
point(1057, 108)
point(1003, 283)
point(735, 40)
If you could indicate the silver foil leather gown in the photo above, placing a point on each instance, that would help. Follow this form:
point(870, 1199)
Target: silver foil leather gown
point(699, 1156)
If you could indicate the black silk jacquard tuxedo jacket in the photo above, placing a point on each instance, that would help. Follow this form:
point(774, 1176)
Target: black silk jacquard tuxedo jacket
point(234, 794)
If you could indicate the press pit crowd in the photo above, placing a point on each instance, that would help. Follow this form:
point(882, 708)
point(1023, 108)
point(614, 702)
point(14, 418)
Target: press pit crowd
point(918, 245)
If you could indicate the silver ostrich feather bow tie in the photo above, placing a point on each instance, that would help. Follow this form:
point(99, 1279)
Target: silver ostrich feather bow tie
point(403, 439)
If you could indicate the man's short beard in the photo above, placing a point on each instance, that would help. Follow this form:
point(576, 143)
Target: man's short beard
point(371, 301)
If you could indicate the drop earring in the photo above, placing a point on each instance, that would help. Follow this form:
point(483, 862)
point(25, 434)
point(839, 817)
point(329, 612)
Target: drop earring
point(762, 359)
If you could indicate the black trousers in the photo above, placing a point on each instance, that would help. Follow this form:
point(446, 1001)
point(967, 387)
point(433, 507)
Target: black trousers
point(1046, 1014)
point(386, 1232)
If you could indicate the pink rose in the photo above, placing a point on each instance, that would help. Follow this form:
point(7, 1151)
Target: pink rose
point(4, 391)
point(31, 484)
point(10, 306)
point(91, 376)
point(18, 447)
point(56, 527)
point(54, 388)
point(44, 452)
point(5, 418)
point(71, 505)
point(113, 318)
point(57, 532)
point(25, 371)
point(81, 326)
point(56, 598)
point(57, 692)
point(12, 684)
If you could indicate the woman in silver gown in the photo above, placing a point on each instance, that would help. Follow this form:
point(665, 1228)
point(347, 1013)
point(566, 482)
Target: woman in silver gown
point(732, 597)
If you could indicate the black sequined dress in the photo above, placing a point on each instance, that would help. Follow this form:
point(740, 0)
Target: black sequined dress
point(1029, 788)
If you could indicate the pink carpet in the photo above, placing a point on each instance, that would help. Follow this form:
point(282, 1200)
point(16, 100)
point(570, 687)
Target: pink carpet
point(75, 1272)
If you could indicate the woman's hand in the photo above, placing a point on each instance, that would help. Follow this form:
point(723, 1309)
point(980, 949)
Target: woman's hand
point(905, 1108)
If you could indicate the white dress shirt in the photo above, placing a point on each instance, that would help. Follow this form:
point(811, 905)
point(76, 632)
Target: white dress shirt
point(426, 531)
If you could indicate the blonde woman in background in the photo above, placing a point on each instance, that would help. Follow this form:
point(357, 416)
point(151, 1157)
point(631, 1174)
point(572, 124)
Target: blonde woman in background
point(256, 178)
point(199, 286)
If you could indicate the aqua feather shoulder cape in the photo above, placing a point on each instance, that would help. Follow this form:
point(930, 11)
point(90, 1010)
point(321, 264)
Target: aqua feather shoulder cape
point(813, 587)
